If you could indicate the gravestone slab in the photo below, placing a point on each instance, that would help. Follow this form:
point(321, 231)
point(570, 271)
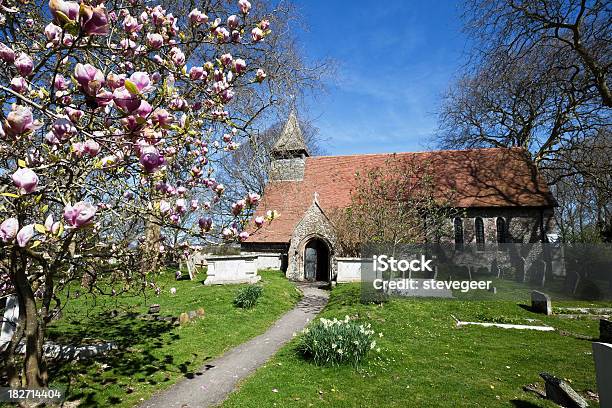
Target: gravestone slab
point(605, 330)
point(602, 354)
point(560, 392)
point(9, 321)
point(540, 302)
point(154, 308)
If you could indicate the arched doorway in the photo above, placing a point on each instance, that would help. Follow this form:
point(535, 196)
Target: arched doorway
point(316, 260)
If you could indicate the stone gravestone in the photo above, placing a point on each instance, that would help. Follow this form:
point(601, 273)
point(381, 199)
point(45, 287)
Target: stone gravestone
point(605, 330)
point(602, 354)
point(540, 303)
point(154, 308)
point(560, 392)
point(9, 321)
point(191, 267)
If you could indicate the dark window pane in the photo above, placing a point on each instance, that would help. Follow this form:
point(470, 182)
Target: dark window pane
point(480, 237)
point(458, 232)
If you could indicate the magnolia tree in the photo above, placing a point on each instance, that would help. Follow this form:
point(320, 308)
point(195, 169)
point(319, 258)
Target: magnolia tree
point(112, 118)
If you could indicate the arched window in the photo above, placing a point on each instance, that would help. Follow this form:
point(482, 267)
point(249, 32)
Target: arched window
point(479, 230)
point(458, 224)
point(502, 236)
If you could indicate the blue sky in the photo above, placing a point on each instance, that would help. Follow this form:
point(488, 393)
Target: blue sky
point(395, 58)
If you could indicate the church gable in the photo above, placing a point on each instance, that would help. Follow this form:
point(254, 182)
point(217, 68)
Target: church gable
point(314, 225)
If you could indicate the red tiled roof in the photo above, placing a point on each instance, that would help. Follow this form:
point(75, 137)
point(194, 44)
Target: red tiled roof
point(478, 177)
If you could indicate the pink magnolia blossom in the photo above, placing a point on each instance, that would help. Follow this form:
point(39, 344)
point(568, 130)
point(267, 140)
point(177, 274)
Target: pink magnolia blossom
point(155, 40)
point(74, 114)
point(233, 21)
point(239, 66)
point(196, 73)
point(260, 75)
point(257, 34)
point(130, 24)
point(181, 206)
point(243, 236)
point(219, 189)
point(24, 235)
point(162, 118)
point(8, 229)
point(244, 6)
point(63, 129)
point(141, 80)
point(252, 199)
point(53, 32)
point(237, 207)
point(151, 159)
point(78, 149)
point(144, 110)
point(51, 138)
point(104, 97)
point(226, 59)
point(82, 213)
point(19, 121)
point(227, 233)
point(6, 53)
point(91, 147)
point(194, 204)
point(222, 34)
point(89, 77)
point(259, 221)
point(205, 223)
point(264, 25)
point(164, 207)
point(115, 81)
point(19, 85)
point(64, 10)
point(177, 56)
point(60, 83)
point(93, 20)
point(196, 17)
point(24, 64)
point(25, 180)
point(125, 100)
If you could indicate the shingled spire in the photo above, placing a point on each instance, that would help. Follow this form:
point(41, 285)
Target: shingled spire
point(291, 143)
point(289, 153)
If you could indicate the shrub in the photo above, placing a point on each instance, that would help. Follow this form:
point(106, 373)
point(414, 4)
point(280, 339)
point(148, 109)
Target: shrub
point(336, 342)
point(247, 296)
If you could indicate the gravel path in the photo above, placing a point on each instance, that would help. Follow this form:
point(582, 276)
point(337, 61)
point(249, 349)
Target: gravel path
point(218, 378)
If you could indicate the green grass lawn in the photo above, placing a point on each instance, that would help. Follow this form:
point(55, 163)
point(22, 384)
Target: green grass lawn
point(154, 355)
point(426, 361)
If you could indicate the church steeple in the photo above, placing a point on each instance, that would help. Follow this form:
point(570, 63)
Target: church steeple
point(289, 153)
point(291, 142)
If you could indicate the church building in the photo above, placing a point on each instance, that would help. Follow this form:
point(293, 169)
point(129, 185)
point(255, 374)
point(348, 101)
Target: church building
point(502, 196)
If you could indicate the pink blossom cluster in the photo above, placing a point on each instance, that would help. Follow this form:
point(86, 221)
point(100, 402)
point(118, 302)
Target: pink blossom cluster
point(121, 121)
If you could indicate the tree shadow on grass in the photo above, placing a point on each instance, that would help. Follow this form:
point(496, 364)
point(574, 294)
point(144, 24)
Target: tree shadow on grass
point(524, 404)
point(133, 362)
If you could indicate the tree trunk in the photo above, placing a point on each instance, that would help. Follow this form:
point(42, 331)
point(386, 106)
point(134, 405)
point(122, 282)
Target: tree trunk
point(32, 331)
point(151, 247)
